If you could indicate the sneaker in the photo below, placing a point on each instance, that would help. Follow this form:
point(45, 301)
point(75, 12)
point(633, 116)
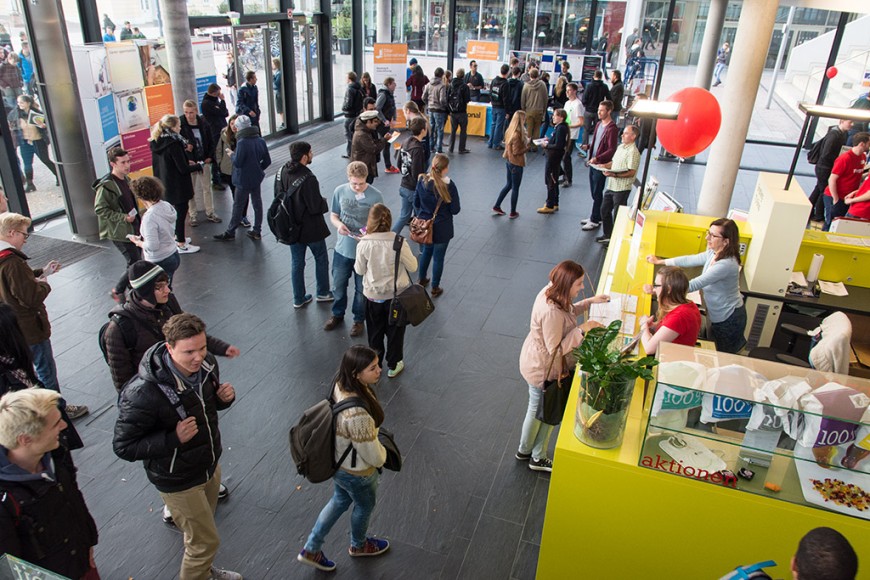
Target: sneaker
point(590, 226)
point(316, 560)
point(541, 464)
point(556, 207)
point(223, 493)
point(357, 329)
point(546, 209)
point(305, 300)
point(464, 151)
point(392, 170)
point(565, 184)
point(333, 322)
point(325, 298)
point(245, 223)
point(345, 156)
point(393, 373)
point(584, 222)
point(514, 215)
point(194, 222)
point(219, 574)
point(167, 517)
point(499, 148)
point(188, 248)
point(497, 210)
point(523, 456)
point(254, 235)
point(224, 237)
point(213, 218)
point(218, 187)
point(372, 547)
point(602, 239)
point(423, 282)
point(437, 291)
point(76, 411)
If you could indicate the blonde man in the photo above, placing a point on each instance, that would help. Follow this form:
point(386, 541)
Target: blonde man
point(200, 149)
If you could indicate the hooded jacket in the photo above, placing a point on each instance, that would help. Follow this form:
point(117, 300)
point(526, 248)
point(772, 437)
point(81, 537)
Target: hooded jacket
point(365, 147)
point(215, 112)
point(458, 86)
point(534, 97)
point(145, 429)
point(412, 162)
point(158, 232)
point(171, 167)
point(595, 92)
point(20, 289)
point(308, 205)
point(376, 263)
point(53, 528)
point(250, 159)
point(203, 148)
point(435, 96)
point(353, 98)
point(512, 95)
point(111, 217)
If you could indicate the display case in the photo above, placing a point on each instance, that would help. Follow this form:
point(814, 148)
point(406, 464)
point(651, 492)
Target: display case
point(761, 427)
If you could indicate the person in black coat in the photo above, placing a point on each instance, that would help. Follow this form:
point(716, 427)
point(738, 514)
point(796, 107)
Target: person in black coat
point(171, 166)
point(594, 93)
point(308, 208)
point(555, 149)
point(458, 97)
point(214, 109)
point(385, 105)
point(249, 99)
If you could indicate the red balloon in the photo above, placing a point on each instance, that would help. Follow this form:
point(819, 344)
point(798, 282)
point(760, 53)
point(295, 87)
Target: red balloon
point(831, 72)
point(696, 125)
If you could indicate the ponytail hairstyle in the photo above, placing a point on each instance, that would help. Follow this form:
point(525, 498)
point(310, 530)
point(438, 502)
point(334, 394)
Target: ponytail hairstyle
point(731, 234)
point(675, 287)
point(562, 278)
point(166, 123)
point(355, 361)
point(439, 163)
point(380, 219)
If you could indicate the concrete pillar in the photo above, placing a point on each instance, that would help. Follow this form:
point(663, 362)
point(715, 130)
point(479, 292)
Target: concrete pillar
point(710, 43)
point(176, 31)
point(633, 19)
point(384, 19)
point(748, 55)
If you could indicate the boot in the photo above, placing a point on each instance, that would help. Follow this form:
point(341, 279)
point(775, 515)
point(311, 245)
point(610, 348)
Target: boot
point(28, 177)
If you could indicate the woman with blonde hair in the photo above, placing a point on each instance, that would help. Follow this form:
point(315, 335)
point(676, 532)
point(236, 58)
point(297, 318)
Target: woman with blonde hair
point(516, 145)
point(436, 197)
point(677, 319)
point(376, 263)
point(173, 169)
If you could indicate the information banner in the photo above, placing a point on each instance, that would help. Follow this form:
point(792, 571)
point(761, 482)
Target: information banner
point(153, 62)
point(108, 120)
point(202, 84)
point(482, 50)
point(125, 69)
point(390, 61)
point(131, 110)
point(136, 144)
point(159, 99)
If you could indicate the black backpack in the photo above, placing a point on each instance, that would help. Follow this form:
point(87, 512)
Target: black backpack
point(128, 331)
point(312, 439)
point(815, 152)
point(281, 217)
point(454, 99)
point(495, 91)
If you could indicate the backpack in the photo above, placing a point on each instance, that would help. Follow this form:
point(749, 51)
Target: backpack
point(815, 152)
point(312, 439)
point(281, 217)
point(454, 99)
point(495, 89)
point(128, 331)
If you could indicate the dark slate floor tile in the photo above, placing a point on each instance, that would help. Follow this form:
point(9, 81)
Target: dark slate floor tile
point(492, 540)
point(526, 563)
point(155, 552)
point(534, 523)
point(512, 491)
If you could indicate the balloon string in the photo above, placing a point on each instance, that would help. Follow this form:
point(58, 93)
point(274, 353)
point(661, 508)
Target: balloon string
point(677, 175)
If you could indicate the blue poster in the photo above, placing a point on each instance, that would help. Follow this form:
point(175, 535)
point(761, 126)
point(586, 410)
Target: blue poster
point(108, 120)
point(202, 84)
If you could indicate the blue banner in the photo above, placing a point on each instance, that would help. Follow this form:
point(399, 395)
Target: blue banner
point(202, 84)
point(108, 119)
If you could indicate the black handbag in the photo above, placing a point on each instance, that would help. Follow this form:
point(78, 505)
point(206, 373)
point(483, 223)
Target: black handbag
point(554, 396)
point(394, 456)
point(413, 304)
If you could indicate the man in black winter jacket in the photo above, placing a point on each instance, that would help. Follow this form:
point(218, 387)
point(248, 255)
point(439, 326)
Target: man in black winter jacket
point(307, 208)
point(385, 105)
point(352, 107)
point(595, 92)
point(412, 163)
point(458, 97)
point(200, 149)
point(214, 109)
point(831, 144)
point(167, 417)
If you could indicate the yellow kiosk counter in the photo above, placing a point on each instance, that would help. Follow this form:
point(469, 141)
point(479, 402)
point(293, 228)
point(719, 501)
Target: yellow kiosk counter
point(609, 517)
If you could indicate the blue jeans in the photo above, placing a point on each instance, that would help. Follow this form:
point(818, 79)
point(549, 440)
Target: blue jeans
point(536, 435)
point(407, 196)
point(437, 120)
point(170, 265)
point(240, 202)
point(833, 210)
point(514, 179)
point(342, 270)
point(729, 335)
point(496, 133)
point(297, 269)
point(43, 360)
point(349, 489)
point(435, 254)
point(596, 186)
point(717, 72)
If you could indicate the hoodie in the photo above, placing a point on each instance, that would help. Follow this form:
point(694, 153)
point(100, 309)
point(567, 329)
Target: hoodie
point(459, 94)
point(595, 92)
point(534, 97)
point(412, 162)
point(435, 96)
point(376, 262)
point(158, 232)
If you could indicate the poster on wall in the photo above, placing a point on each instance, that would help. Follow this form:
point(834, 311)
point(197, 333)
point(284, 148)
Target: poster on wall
point(203, 56)
point(159, 101)
point(154, 62)
point(108, 119)
point(136, 145)
point(390, 60)
point(482, 50)
point(131, 110)
point(100, 73)
point(125, 70)
point(590, 65)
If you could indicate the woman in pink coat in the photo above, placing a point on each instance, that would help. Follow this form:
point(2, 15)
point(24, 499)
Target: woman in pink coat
point(553, 325)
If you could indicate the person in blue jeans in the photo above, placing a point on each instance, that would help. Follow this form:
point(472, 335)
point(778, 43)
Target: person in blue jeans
point(435, 97)
point(349, 214)
point(496, 95)
point(307, 208)
point(438, 197)
point(516, 146)
point(412, 163)
point(356, 480)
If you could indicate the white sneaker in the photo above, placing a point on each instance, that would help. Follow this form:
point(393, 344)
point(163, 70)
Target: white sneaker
point(218, 574)
point(188, 248)
point(590, 226)
point(582, 222)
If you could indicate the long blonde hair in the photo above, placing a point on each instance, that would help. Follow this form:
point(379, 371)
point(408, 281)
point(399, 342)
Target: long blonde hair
point(439, 163)
point(166, 122)
point(517, 128)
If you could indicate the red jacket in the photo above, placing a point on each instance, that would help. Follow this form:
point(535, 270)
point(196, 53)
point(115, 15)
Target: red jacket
point(608, 144)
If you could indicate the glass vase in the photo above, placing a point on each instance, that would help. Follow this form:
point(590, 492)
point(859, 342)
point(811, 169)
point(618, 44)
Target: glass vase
point(602, 409)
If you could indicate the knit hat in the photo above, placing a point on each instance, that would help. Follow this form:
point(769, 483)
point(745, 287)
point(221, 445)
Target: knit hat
point(412, 61)
point(144, 276)
point(368, 115)
point(242, 122)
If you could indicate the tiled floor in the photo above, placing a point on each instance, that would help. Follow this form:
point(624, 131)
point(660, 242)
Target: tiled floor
point(462, 507)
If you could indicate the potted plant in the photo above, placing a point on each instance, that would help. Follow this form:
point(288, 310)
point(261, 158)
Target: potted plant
point(607, 376)
point(342, 30)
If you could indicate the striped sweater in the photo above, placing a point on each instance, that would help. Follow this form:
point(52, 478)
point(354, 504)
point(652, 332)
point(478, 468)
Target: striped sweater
point(356, 427)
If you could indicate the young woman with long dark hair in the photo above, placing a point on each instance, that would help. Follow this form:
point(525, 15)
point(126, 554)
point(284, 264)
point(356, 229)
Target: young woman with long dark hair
point(677, 319)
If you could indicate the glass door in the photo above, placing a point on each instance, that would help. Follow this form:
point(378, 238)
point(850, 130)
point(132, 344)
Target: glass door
point(307, 70)
point(257, 49)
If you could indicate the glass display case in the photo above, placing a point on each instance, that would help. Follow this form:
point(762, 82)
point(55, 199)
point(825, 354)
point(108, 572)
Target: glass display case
point(771, 429)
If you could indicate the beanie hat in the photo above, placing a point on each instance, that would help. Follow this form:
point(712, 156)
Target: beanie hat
point(143, 277)
point(242, 122)
point(412, 61)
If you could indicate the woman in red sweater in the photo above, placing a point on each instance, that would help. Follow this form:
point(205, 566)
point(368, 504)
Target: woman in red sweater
point(677, 319)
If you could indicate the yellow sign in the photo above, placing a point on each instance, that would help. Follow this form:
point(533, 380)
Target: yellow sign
point(482, 50)
point(391, 53)
point(476, 120)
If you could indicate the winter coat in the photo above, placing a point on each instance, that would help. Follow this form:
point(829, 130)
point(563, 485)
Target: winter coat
point(549, 328)
point(376, 263)
point(435, 96)
point(412, 162)
point(308, 205)
point(417, 84)
point(203, 148)
point(595, 92)
point(365, 147)
point(459, 86)
point(250, 159)
point(145, 428)
point(111, 217)
point(386, 105)
point(370, 91)
point(215, 112)
point(158, 232)
point(171, 167)
point(20, 289)
point(534, 97)
point(353, 98)
point(148, 321)
point(249, 100)
point(53, 528)
point(426, 200)
point(224, 161)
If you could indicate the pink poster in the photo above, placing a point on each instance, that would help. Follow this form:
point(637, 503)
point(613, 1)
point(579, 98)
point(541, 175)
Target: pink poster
point(136, 144)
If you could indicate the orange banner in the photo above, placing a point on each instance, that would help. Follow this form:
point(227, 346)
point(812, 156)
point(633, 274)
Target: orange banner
point(392, 53)
point(159, 100)
point(482, 50)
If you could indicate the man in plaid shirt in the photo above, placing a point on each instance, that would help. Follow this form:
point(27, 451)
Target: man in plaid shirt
point(620, 177)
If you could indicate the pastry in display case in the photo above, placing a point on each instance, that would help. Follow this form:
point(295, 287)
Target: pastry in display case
point(767, 428)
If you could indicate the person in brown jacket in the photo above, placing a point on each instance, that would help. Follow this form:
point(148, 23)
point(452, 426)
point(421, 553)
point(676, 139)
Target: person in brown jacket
point(516, 145)
point(25, 290)
point(553, 334)
point(534, 103)
point(367, 144)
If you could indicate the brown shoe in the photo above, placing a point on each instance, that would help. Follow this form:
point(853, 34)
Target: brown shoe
point(437, 291)
point(357, 329)
point(332, 322)
point(423, 282)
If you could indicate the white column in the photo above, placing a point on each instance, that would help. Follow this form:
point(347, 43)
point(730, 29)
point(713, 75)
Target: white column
point(176, 30)
point(710, 44)
point(633, 19)
point(384, 20)
point(754, 30)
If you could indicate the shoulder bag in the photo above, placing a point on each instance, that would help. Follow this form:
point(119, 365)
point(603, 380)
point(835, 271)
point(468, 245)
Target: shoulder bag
point(422, 230)
point(413, 304)
point(394, 456)
point(555, 392)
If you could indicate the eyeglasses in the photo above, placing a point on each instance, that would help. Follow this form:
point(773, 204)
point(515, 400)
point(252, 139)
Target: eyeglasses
point(710, 234)
point(25, 234)
point(657, 285)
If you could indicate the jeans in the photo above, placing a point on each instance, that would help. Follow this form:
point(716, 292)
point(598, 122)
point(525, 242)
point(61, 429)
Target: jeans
point(239, 202)
point(536, 435)
point(407, 196)
point(717, 72)
point(458, 121)
point(496, 133)
point(434, 253)
point(833, 210)
point(40, 149)
point(437, 120)
point(348, 489)
point(596, 186)
point(609, 206)
point(342, 270)
point(729, 334)
point(170, 265)
point(297, 269)
point(43, 360)
point(378, 327)
point(590, 121)
point(514, 179)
